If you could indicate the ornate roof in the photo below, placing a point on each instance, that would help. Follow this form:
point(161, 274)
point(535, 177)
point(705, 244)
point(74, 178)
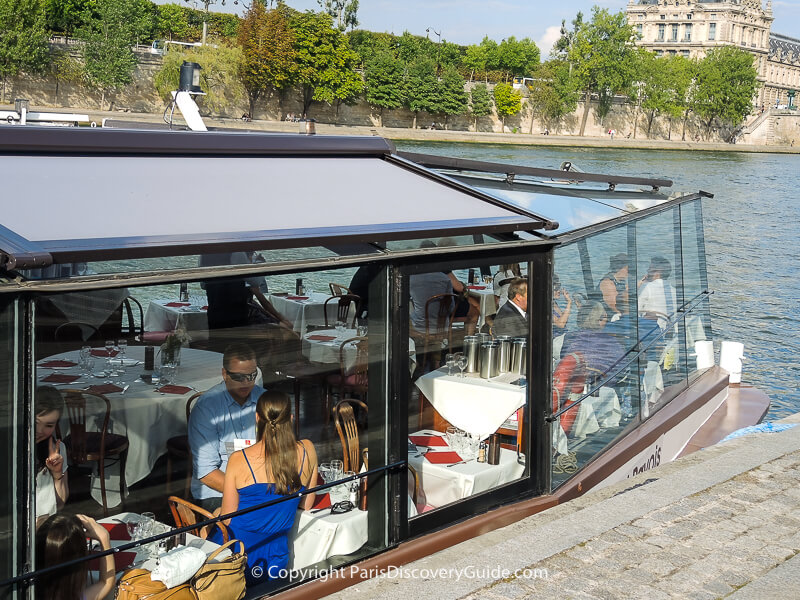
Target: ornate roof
point(783, 48)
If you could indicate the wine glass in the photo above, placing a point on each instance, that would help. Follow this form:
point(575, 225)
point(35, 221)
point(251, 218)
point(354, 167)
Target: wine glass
point(132, 525)
point(148, 521)
point(85, 353)
point(109, 348)
point(461, 362)
point(123, 348)
point(450, 361)
point(324, 471)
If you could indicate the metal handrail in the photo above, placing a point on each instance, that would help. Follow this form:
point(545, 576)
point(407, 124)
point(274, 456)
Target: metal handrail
point(685, 309)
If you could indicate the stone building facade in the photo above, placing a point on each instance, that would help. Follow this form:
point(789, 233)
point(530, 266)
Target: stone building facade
point(691, 28)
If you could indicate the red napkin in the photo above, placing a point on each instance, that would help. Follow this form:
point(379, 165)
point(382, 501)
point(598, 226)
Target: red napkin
point(477, 287)
point(106, 388)
point(103, 353)
point(204, 308)
point(60, 378)
point(117, 531)
point(58, 364)
point(441, 458)
point(122, 560)
point(321, 338)
point(297, 297)
point(427, 440)
point(323, 501)
point(174, 389)
point(177, 304)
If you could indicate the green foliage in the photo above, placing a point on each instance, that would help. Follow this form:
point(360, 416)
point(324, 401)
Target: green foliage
point(604, 57)
point(655, 86)
point(325, 61)
point(268, 55)
point(67, 16)
point(451, 99)
point(144, 20)
point(421, 86)
point(23, 38)
point(561, 49)
point(475, 59)
point(343, 12)
point(507, 100)
point(552, 92)
point(384, 82)
point(218, 75)
point(172, 22)
point(516, 57)
point(368, 44)
point(725, 86)
point(480, 102)
point(109, 35)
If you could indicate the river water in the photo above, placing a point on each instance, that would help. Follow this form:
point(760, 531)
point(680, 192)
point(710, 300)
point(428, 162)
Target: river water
point(752, 229)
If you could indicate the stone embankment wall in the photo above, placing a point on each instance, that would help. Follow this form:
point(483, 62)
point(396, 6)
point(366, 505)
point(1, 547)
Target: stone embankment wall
point(142, 97)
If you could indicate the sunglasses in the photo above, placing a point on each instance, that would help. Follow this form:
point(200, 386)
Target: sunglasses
point(342, 507)
point(242, 377)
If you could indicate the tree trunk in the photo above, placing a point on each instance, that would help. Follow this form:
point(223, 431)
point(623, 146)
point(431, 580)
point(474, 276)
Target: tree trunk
point(476, 124)
point(585, 113)
point(635, 121)
point(102, 100)
point(471, 73)
point(685, 118)
point(414, 124)
point(669, 131)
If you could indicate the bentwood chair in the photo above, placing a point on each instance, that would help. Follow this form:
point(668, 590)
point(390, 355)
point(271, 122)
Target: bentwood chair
point(337, 289)
point(93, 446)
point(439, 311)
point(178, 447)
point(346, 426)
point(351, 378)
point(343, 308)
point(185, 514)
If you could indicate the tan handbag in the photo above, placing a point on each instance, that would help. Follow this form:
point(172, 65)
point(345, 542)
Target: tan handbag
point(222, 580)
point(136, 584)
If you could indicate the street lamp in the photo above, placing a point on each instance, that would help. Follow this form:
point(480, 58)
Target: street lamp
point(438, 34)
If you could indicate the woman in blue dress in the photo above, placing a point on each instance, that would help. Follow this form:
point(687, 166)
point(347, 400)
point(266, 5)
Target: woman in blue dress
point(275, 466)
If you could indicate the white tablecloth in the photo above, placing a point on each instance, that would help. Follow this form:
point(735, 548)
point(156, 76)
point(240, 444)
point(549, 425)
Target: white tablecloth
point(488, 303)
point(92, 307)
point(327, 351)
point(318, 536)
point(478, 406)
point(443, 485)
point(147, 417)
point(160, 317)
point(305, 313)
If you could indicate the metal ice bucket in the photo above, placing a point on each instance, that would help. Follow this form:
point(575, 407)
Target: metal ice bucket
point(489, 353)
point(504, 353)
point(472, 352)
point(519, 356)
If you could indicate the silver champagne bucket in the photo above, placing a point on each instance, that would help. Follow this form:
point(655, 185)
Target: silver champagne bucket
point(472, 352)
point(519, 356)
point(489, 353)
point(504, 353)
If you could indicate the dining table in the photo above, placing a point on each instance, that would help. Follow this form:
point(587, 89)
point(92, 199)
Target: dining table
point(318, 534)
point(147, 414)
point(449, 479)
point(170, 314)
point(476, 405)
point(486, 297)
point(323, 346)
point(308, 311)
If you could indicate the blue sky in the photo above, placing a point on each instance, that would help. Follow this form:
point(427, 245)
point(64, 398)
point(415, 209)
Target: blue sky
point(467, 21)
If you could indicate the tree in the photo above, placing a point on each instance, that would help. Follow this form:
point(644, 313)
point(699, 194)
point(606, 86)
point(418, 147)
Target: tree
point(481, 104)
point(553, 92)
point(23, 39)
point(110, 35)
point(682, 72)
point(219, 68)
point(654, 88)
point(421, 87)
point(451, 99)
point(507, 100)
point(725, 86)
point(604, 59)
point(66, 16)
point(475, 59)
point(384, 83)
point(325, 63)
point(268, 54)
point(517, 57)
point(343, 12)
point(561, 49)
point(172, 22)
point(65, 69)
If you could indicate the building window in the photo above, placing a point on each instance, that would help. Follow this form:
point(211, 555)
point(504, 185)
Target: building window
point(639, 29)
point(689, 17)
point(685, 53)
point(674, 36)
point(662, 28)
point(687, 32)
point(659, 53)
point(712, 31)
point(663, 17)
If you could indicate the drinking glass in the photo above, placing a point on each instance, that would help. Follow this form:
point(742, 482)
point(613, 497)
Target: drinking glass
point(337, 467)
point(324, 471)
point(461, 362)
point(339, 330)
point(123, 348)
point(452, 434)
point(148, 521)
point(85, 353)
point(351, 487)
point(90, 364)
point(109, 347)
point(132, 524)
point(361, 331)
point(450, 361)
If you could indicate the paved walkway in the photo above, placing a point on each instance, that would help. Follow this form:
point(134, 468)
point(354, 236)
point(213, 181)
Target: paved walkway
point(721, 523)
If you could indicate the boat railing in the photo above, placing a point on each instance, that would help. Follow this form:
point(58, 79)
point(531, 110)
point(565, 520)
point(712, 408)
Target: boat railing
point(641, 347)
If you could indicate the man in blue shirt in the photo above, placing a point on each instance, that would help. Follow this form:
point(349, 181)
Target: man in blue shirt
point(223, 420)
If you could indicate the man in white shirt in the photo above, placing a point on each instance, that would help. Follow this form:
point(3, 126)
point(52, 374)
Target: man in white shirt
point(657, 298)
point(512, 318)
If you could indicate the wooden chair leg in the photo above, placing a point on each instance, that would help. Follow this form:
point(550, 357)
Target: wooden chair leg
point(169, 471)
point(297, 408)
point(102, 469)
point(123, 486)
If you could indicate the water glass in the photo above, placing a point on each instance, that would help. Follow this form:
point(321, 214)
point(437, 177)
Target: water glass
point(340, 330)
point(450, 361)
point(361, 331)
point(132, 524)
point(147, 524)
point(324, 471)
point(85, 353)
point(167, 374)
point(452, 435)
point(123, 348)
point(461, 362)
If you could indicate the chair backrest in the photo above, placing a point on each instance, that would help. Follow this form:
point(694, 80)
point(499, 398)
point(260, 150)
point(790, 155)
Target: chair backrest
point(185, 513)
point(345, 419)
point(337, 289)
point(189, 403)
point(358, 375)
point(443, 311)
point(343, 308)
point(75, 331)
point(75, 402)
point(365, 458)
point(135, 329)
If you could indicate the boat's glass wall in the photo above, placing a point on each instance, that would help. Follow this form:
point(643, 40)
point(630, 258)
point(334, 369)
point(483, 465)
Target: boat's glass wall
point(592, 338)
point(9, 436)
point(162, 385)
point(467, 348)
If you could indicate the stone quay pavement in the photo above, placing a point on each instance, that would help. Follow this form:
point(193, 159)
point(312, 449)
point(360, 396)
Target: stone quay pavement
point(723, 522)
